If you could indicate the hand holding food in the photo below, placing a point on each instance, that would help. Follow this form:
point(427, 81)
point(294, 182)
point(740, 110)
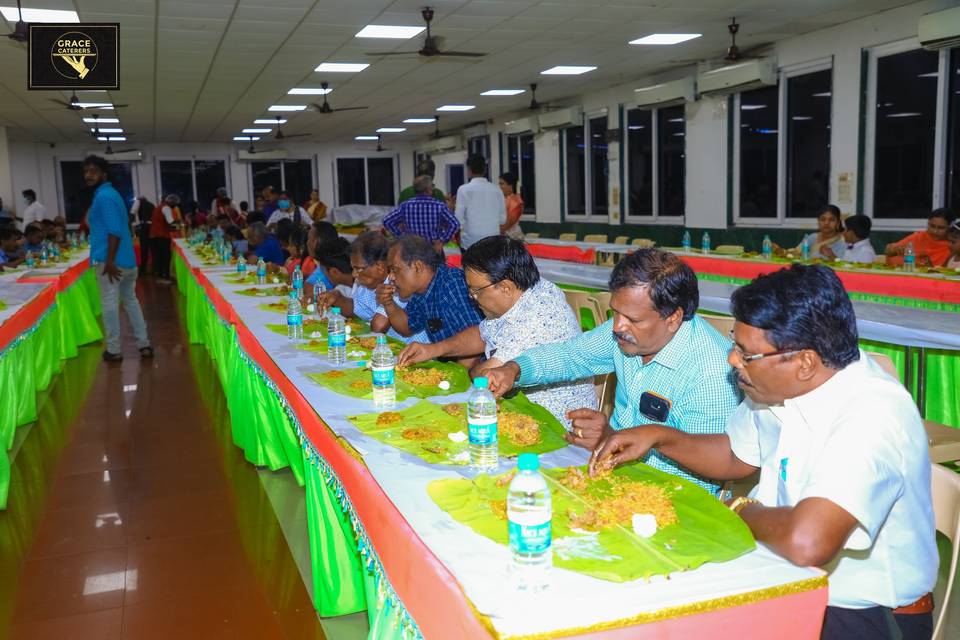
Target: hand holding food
point(501, 379)
point(588, 428)
point(621, 446)
point(415, 352)
point(385, 294)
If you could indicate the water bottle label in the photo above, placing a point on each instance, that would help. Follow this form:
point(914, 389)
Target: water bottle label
point(337, 340)
point(294, 319)
point(297, 285)
point(909, 259)
point(526, 538)
point(262, 273)
point(482, 433)
point(383, 377)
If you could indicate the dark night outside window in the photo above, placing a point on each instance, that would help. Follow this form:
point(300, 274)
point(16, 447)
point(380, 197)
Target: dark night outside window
point(575, 165)
point(809, 99)
point(671, 160)
point(599, 167)
point(351, 180)
point(380, 181)
point(640, 162)
point(758, 153)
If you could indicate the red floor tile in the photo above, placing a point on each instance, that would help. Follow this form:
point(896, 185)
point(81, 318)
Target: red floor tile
point(99, 625)
point(70, 585)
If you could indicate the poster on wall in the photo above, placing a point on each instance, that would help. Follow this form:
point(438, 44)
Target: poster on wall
point(73, 56)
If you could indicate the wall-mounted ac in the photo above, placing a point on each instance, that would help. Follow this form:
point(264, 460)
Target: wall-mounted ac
point(667, 93)
point(530, 124)
point(568, 117)
point(741, 76)
point(475, 131)
point(940, 30)
point(131, 155)
point(445, 143)
point(246, 155)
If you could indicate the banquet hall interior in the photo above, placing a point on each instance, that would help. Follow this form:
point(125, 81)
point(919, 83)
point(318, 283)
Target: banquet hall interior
point(176, 461)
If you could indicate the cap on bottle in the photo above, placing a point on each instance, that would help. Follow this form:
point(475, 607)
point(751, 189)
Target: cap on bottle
point(528, 462)
point(334, 309)
point(293, 293)
point(480, 383)
point(381, 339)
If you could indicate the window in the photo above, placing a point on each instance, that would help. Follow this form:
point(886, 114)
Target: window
point(656, 134)
point(520, 162)
point(295, 176)
point(671, 161)
point(808, 143)
point(77, 196)
point(586, 170)
point(455, 177)
point(366, 181)
point(953, 133)
point(192, 180)
point(639, 165)
point(479, 146)
point(759, 140)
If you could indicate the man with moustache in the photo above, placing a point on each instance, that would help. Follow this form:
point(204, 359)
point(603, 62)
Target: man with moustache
point(671, 365)
point(841, 449)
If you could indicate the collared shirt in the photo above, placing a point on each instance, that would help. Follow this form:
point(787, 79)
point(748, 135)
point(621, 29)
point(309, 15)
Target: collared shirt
point(691, 371)
point(108, 217)
point(857, 441)
point(540, 316)
point(4, 258)
point(422, 216)
point(409, 192)
point(445, 308)
point(270, 250)
point(861, 251)
point(481, 209)
point(35, 212)
point(365, 307)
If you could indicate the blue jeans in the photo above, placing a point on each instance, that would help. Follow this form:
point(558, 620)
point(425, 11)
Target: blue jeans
point(112, 295)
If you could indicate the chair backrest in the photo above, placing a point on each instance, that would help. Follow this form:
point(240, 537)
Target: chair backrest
point(568, 236)
point(886, 364)
point(945, 489)
point(621, 239)
point(595, 237)
point(531, 235)
point(606, 388)
point(584, 309)
point(643, 243)
point(601, 300)
point(723, 324)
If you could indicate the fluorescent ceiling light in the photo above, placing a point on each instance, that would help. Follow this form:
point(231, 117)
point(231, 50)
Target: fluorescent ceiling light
point(456, 107)
point(111, 139)
point(666, 38)
point(308, 91)
point(904, 114)
point(419, 120)
point(256, 130)
point(386, 31)
point(269, 121)
point(95, 105)
point(752, 107)
point(675, 120)
point(367, 138)
point(802, 118)
point(635, 127)
point(502, 92)
point(822, 94)
point(932, 74)
point(102, 120)
point(391, 130)
point(562, 70)
point(287, 107)
point(245, 138)
point(107, 130)
point(341, 67)
point(39, 15)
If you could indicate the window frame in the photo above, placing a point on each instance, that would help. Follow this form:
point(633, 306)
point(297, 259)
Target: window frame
point(589, 215)
point(938, 193)
point(366, 176)
point(283, 174)
point(654, 217)
point(505, 166)
point(193, 172)
point(61, 194)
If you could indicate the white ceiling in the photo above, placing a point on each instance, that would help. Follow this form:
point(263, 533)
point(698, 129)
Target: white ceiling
point(200, 71)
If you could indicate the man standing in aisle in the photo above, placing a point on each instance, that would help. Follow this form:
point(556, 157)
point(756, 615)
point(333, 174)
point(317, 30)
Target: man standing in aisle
point(426, 167)
point(35, 212)
point(424, 216)
point(113, 260)
point(481, 208)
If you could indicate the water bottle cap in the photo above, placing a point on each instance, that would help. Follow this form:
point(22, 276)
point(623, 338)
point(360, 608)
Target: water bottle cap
point(480, 383)
point(528, 462)
point(293, 294)
point(335, 310)
point(381, 339)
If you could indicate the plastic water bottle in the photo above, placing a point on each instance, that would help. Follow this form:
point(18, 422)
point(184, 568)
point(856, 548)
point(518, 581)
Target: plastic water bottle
point(241, 267)
point(686, 241)
point(294, 318)
point(336, 337)
point(383, 363)
point(44, 259)
point(482, 425)
point(318, 289)
point(805, 248)
point(909, 257)
point(30, 262)
point(767, 249)
point(529, 514)
point(705, 243)
point(296, 280)
point(261, 271)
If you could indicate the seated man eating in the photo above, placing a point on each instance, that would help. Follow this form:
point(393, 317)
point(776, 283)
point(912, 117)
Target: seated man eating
point(523, 311)
point(842, 453)
point(671, 364)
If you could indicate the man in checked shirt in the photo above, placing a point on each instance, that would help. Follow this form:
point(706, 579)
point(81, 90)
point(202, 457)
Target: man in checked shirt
point(424, 216)
point(671, 365)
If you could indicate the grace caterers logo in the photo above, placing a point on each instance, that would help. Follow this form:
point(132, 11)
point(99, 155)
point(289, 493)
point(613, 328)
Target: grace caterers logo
point(73, 56)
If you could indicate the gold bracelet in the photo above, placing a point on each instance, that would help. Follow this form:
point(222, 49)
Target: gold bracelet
point(740, 502)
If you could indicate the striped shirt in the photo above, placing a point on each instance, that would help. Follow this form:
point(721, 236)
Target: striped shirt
point(691, 371)
point(422, 216)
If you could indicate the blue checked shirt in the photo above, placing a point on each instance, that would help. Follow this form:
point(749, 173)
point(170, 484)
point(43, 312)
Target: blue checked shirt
point(691, 371)
point(445, 308)
point(422, 216)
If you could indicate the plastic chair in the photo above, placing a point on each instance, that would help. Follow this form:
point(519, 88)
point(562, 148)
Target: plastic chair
point(945, 490)
point(601, 301)
point(583, 308)
point(532, 235)
point(606, 388)
point(723, 324)
point(596, 237)
point(643, 243)
point(621, 239)
point(570, 237)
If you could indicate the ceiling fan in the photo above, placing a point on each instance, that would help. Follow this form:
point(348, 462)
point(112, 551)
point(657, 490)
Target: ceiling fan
point(734, 54)
point(325, 107)
point(431, 46)
point(281, 136)
point(20, 32)
point(534, 104)
point(108, 151)
point(436, 127)
point(75, 104)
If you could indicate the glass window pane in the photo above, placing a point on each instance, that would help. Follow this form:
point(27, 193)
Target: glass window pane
point(298, 179)
point(455, 177)
point(265, 174)
point(528, 177)
point(513, 155)
point(176, 177)
point(808, 143)
point(351, 181)
point(575, 170)
point(953, 134)
point(380, 179)
point(121, 177)
point(211, 175)
point(671, 160)
point(758, 153)
point(479, 145)
point(639, 163)
point(599, 167)
point(906, 113)
point(76, 194)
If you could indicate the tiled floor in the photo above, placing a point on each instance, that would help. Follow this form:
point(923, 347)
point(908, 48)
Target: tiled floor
point(136, 517)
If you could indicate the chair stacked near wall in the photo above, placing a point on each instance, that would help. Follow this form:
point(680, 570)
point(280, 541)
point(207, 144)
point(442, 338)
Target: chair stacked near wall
point(532, 235)
point(600, 238)
point(570, 237)
point(621, 239)
point(643, 243)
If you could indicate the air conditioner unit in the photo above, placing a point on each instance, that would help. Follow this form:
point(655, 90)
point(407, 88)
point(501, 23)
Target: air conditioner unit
point(446, 143)
point(940, 30)
point(245, 155)
point(741, 76)
point(569, 117)
point(529, 124)
point(475, 131)
point(134, 155)
point(667, 93)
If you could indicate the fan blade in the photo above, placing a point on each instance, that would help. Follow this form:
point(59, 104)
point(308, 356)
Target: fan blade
point(125, 150)
point(294, 135)
point(350, 108)
point(394, 53)
point(462, 54)
point(60, 102)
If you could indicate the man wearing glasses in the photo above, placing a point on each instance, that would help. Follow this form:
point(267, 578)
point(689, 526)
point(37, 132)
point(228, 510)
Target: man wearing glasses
point(841, 449)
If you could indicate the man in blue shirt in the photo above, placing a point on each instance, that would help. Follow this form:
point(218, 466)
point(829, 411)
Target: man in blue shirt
point(113, 260)
point(33, 238)
point(438, 302)
point(423, 216)
point(671, 365)
point(264, 244)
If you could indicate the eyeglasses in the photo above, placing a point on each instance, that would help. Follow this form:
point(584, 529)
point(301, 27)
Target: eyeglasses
point(473, 292)
point(745, 359)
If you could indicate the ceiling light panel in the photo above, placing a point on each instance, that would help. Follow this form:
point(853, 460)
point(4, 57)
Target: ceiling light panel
point(102, 120)
point(287, 107)
point(367, 138)
point(391, 130)
point(387, 31)
point(503, 92)
point(309, 91)
point(419, 120)
point(566, 70)
point(666, 38)
point(106, 130)
point(456, 107)
point(256, 130)
point(270, 121)
point(341, 67)
point(39, 15)
point(246, 138)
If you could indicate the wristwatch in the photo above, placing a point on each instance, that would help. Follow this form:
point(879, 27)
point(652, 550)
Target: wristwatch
point(740, 502)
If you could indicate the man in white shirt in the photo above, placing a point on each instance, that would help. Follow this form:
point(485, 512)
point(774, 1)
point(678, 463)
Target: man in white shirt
point(856, 236)
point(842, 453)
point(35, 212)
point(481, 208)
